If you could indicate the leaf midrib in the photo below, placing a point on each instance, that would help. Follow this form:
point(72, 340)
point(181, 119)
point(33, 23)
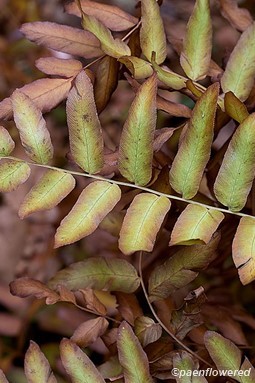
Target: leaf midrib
point(143, 220)
point(92, 207)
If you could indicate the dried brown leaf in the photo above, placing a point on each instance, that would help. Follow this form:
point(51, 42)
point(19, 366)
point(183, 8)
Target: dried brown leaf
point(147, 331)
point(10, 325)
point(66, 295)
point(155, 351)
point(111, 369)
point(59, 67)
point(111, 16)
point(89, 331)
point(181, 268)
point(3, 378)
point(46, 93)
point(26, 287)
point(161, 136)
point(110, 339)
point(92, 302)
point(173, 108)
point(129, 307)
point(219, 317)
point(63, 38)
point(239, 18)
point(106, 81)
point(112, 222)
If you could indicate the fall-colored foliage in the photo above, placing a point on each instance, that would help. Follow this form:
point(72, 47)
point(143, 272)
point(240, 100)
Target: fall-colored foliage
point(127, 213)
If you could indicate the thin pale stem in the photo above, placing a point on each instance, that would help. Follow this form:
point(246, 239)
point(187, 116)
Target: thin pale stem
point(160, 322)
point(93, 62)
point(131, 31)
point(127, 184)
point(123, 38)
point(96, 313)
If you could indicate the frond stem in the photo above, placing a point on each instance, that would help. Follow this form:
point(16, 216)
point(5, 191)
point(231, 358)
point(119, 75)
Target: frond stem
point(160, 322)
point(127, 184)
point(78, 3)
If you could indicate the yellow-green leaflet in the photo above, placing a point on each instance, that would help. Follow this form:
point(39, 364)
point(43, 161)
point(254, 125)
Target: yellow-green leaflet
point(6, 142)
point(13, 174)
point(152, 34)
point(32, 128)
point(98, 273)
point(240, 70)
point(243, 249)
point(197, 45)
point(196, 224)
point(37, 367)
point(194, 151)
point(48, 192)
point(235, 108)
point(142, 223)
point(181, 268)
point(227, 356)
point(196, 89)
point(85, 133)
point(77, 364)
point(110, 46)
point(94, 203)
point(136, 143)
point(184, 362)
point(132, 357)
point(169, 78)
point(236, 174)
point(138, 67)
